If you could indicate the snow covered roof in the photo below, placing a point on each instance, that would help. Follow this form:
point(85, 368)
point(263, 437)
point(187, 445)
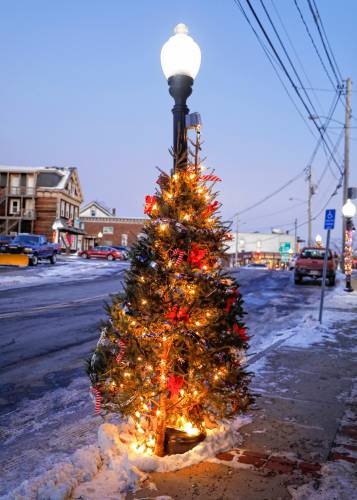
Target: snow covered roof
point(57, 180)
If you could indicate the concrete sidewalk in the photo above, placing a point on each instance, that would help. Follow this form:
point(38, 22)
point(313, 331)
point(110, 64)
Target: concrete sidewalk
point(306, 415)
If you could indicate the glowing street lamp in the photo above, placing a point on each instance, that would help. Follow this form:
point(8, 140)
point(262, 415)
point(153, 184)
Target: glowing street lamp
point(348, 211)
point(180, 62)
point(318, 240)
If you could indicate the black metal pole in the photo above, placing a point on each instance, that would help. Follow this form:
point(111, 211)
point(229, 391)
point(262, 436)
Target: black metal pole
point(180, 88)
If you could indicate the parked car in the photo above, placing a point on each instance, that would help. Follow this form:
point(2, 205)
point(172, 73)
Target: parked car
point(256, 265)
point(5, 239)
point(123, 250)
point(310, 262)
point(108, 253)
point(34, 246)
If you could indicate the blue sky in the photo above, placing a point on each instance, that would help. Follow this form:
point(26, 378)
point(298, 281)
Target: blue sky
point(81, 84)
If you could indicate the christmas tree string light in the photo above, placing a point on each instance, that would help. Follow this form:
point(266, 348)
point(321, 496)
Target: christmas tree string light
point(171, 353)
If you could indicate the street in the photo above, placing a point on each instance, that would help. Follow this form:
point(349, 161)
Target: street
point(48, 331)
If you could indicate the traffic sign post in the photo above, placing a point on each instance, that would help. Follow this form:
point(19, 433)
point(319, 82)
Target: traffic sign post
point(330, 216)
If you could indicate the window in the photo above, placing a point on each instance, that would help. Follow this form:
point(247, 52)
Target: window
point(67, 210)
point(71, 211)
point(124, 240)
point(14, 207)
point(62, 208)
point(93, 212)
point(108, 230)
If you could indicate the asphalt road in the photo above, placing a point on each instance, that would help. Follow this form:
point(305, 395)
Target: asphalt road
point(47, 332)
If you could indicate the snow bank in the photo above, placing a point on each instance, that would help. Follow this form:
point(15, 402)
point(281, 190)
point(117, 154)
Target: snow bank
point(111, 468)
point(64, 270)
point(338, 482)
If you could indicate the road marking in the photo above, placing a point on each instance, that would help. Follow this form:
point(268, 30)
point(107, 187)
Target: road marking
point(61, 305)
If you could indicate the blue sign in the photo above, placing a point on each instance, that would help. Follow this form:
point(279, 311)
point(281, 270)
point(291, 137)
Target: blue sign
point(330, 215)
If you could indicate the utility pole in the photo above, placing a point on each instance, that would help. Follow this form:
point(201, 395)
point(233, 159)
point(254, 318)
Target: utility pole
point(309, 216)
point(237, 243)
point(295, 236)
point(346, 170)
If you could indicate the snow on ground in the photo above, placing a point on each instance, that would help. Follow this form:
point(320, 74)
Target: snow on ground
point(66, 269)
point(109, 468)
point(338, 481)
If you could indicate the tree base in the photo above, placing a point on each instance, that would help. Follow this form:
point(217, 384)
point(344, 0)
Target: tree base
point(178, 442)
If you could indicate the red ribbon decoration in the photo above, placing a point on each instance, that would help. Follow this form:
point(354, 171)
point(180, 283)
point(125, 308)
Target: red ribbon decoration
point(196, 256)
point(231, 300)
point(174, 384)
point(210, 177)
point(150, 202)
point(178, 314)
point(242, 332)
point(212, 207)
point(98, 399)
point(120, 355)
point(180, 254)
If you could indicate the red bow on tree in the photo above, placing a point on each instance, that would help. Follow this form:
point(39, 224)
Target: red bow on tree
point(231, 300)
point(150, 204)
point(178, 314)
point(174, 384)
point(196, 256)
point(242, 332)
point(212, 207)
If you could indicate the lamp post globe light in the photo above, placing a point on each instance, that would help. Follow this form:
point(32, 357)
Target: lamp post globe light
point(348, 211)
point(180, 62)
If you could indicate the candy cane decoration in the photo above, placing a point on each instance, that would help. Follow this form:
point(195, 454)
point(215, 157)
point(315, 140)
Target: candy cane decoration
point(210, 177)
point(98, 399)
point(180, 254)
point(120, 355)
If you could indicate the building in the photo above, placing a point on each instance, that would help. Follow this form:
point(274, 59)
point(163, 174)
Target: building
point(104, 227)
point(266, 248)
point(41, 200)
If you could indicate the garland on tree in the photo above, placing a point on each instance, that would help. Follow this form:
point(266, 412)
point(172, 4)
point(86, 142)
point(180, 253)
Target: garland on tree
point(172, 349)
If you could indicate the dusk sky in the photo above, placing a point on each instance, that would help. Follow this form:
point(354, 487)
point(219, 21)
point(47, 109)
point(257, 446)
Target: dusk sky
point(81, 85)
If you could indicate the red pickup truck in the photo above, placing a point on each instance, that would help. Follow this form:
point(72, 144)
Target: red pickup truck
point(310, 264)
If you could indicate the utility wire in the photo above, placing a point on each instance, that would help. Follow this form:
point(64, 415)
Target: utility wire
point(271, 60)
point(314, 44)
point(321, 132)
point(266, 198)
point(296, 53)
point(329, 53)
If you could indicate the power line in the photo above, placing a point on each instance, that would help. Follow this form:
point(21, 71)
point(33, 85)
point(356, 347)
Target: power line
point(271, 60)
point(296, 53)
point(313, 43)
point(266, 198)
point(321, 132)
point(318, 22)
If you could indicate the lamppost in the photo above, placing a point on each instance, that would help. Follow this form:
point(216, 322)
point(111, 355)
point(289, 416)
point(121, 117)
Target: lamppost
point(100, 236)
point(348, 211)
point(180, 62)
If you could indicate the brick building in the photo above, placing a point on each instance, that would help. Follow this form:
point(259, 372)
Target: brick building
point(41, 200)
point(97, 220)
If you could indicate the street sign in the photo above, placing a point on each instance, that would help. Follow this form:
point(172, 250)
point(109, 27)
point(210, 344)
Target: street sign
point(285, 247)
point(330, 215)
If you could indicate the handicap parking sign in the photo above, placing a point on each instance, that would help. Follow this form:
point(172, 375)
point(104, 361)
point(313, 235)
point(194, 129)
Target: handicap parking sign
point(330, 215)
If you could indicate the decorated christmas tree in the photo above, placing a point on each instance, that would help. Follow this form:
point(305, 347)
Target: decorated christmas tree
point(170, 353)
point(170, 356)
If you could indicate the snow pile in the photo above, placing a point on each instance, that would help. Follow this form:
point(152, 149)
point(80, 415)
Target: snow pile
point(114, 468)
point(338, 482)
point(59, 482)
